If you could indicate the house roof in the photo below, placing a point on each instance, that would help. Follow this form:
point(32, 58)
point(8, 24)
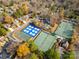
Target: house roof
point(1, 19)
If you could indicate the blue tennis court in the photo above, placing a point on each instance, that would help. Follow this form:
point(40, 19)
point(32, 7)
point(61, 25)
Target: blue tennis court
point(31, 30)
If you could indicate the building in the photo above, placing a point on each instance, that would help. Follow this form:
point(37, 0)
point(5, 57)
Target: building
point(1, 10)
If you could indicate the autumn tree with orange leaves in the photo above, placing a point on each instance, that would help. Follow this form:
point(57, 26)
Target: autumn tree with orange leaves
point(23, 50)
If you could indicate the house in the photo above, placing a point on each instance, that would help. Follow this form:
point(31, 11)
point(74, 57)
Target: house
point(9, 11)
point(1, 19)
point(1, 10)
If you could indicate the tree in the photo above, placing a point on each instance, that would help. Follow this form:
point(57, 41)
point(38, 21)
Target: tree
point(33, 46)
point(40, 54)
point(11, 3)
point(1, 25)
point(52, 54)
point(77, 18)
point(68, 55)
point(53, 7)
point(25, 8)
point(41, 7)
point(9, 19)
point(20, 12)
point(4, 14)
point(62, 13)
point(16, 14)
point(34, 56)
point(72, 56)
point(2, 32)
point(23, 50)
point(34, 49)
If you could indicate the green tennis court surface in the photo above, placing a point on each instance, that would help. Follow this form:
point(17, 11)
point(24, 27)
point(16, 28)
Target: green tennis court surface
point(65, 30)
point(45, 41)
point(23, 36)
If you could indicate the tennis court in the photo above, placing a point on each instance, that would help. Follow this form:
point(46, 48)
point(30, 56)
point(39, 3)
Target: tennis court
point(23, 36)
point(65, 29)
point(40, 39)
point(28, 32)
point(31, 30)
point(45, 41)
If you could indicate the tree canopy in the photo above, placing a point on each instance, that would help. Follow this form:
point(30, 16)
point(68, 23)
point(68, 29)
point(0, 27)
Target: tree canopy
point(23, 50)
point(68, 55)
point(53, 54)
point(9, 19)
point(3, 31)
point(33, 46)
point(34, 56)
